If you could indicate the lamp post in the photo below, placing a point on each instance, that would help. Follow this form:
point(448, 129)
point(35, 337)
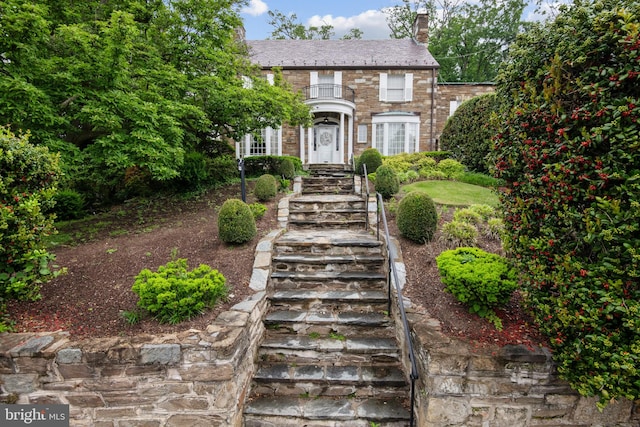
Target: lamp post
point(243, 188)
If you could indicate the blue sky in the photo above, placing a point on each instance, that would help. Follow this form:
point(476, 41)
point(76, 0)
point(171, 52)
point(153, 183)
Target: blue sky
point(342, 14)
point(366, 15)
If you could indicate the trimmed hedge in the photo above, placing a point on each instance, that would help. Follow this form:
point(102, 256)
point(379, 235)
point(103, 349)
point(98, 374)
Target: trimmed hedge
point(386, 182)
point(266, 187)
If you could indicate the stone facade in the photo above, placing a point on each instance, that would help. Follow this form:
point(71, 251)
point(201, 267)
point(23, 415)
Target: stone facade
point(366, 84)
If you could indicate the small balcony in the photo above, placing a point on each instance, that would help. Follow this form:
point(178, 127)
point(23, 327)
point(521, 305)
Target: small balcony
point(329, 91)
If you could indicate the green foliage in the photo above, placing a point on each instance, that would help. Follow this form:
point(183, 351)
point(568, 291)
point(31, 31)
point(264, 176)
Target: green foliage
point(258, 210)
point(259, 165)
point(370, 157)
point(480, 179)
point(386, 182)
point(194, 172)
point(494, 229)
point(285, 184)
point(27, 189)
point(467, 134)
point(266, 187)
point(432, 174)
point(398, 163)
point(569, 154)
point(173, 293)
point(458, 233)
point(123, 86)
point(468, 215)
point(417, 218)
point(236, 223)
point(481, 280)
point(222, 169)
point(451, 169)
point(485, 211)
point(287, 168)
point(69, 204)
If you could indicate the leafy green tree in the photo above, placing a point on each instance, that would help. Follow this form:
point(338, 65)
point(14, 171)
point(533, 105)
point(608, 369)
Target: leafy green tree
point(569, 154)
point(124, 88)
point(288, 27)
point(469, 40)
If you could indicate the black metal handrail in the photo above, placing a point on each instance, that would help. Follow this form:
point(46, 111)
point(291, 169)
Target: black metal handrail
point(329, 91)
point(403, 315)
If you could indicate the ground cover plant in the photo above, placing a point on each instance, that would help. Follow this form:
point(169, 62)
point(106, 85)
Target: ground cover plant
point(569, 153)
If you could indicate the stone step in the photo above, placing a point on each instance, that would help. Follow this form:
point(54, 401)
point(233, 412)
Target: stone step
point(326, 202)
point(320, 223)
point(334, 215)
point(329, 380)
point(328, 242)
point(329, 296)
point(327, 189)
point(325, 280)
point(290, 411)
point(313, 299)
point(328, 263)
point(332, 348)
point(327, 318)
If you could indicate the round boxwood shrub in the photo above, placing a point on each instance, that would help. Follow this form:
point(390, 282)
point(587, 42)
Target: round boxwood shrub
point(236, 223)
point(266, 187)
point(287, 168)
point(417, 218)
point(387, 183)
point(370, 157)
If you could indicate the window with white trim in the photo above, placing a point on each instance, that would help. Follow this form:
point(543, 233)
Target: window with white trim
point(396, 87)
point(362, 133)
point(395, 133)
point(269, 143)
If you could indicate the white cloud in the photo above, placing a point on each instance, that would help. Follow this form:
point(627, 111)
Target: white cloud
point(255, 8)
point(372, 23)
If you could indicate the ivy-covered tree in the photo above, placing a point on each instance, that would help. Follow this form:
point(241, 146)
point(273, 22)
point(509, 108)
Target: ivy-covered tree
point(468, 132)
point(570, 155)
point(124, 88)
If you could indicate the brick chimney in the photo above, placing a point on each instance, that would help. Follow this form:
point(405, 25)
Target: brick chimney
point(421, 28)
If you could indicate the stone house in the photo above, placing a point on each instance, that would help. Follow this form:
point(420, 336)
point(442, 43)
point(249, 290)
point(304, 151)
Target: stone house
point(363, 93)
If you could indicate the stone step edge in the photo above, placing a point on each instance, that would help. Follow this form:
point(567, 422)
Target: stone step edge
point(363, 375)
point(363, 296)
point(369, 346)
point(329, 275)
point(329, 259)
point(328, 409)
point(276, 317)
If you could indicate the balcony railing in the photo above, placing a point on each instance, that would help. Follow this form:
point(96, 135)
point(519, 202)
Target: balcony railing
point(329, 91)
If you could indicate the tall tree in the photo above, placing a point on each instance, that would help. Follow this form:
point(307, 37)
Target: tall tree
point(288, 27)
point(128, 86)
point(468, 40)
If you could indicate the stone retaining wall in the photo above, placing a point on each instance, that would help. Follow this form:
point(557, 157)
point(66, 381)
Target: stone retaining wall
point(194, 378)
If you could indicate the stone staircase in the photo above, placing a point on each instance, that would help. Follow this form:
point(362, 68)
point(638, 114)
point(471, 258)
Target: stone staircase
point(329, 356)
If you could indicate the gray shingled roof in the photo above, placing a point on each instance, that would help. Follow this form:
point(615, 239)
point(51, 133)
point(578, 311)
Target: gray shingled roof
point(392, 53)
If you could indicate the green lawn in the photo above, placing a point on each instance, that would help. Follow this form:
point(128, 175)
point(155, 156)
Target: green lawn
point(454, 193)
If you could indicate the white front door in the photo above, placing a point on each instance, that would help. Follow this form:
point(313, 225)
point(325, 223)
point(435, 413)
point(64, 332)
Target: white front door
point(325, 144)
